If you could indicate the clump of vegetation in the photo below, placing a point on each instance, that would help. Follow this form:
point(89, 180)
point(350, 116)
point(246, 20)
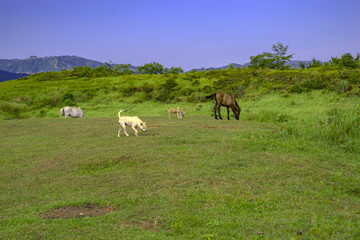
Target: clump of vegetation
point(275, 60)
point(343, 128)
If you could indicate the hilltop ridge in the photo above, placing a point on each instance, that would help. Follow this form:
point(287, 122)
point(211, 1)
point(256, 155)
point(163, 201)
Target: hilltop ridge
point(35, 64)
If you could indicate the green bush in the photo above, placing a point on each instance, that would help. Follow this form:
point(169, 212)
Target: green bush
point(343, 128)
point(11, 111)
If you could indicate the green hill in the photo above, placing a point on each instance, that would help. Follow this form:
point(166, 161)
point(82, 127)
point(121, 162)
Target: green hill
point(86, 86)
point(316, 96)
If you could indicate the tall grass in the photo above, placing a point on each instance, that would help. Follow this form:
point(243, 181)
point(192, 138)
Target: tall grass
point(343, 128)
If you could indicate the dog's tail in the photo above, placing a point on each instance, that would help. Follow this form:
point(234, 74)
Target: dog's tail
point(119, 113)
point(211, 95)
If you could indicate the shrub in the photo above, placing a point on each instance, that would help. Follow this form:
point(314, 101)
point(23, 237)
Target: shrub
point(10, 111)
point(68, 99)
point(342, 86)
point(343, 128)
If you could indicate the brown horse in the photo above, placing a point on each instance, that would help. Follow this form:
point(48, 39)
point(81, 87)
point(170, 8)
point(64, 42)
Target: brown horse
point(223, 99)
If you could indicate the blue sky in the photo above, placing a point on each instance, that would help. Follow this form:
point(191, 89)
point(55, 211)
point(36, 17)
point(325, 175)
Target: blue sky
point(180, 33)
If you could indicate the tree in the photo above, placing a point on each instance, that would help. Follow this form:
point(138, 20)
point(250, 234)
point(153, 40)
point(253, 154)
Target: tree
point(302, 65)
point(123, 69)
point(314, 63)
point(151, 68)
point(174, 70)
point(346, 61)
point(275, 60)
point(262, 60)
point(279, 55)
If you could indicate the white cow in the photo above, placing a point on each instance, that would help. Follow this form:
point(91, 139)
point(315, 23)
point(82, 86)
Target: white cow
point(74, 112)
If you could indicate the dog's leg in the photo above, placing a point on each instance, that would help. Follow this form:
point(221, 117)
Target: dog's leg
point(119, 130)
point(135, 130)
point(125, 130)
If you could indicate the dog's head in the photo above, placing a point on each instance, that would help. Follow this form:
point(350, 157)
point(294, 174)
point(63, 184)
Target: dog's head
point(143, 126)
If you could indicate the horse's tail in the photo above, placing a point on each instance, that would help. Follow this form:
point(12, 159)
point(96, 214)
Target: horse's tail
point(62, 112)
point(119, 113)
point(211, 95)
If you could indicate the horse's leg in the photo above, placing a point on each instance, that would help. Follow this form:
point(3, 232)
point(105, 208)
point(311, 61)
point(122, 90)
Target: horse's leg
point(215, 110)
point(228, 112)
point(218, 108)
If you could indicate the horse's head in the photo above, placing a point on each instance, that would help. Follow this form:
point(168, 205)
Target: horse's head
point(236, 110)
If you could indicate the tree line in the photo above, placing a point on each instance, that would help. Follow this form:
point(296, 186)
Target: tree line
point(279, 58)
point(108, 69)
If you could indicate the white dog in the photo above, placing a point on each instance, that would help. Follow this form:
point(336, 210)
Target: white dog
point(133, 122)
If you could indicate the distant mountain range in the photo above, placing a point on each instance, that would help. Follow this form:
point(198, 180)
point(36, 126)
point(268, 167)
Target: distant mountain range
point(35, 64)
point(6, 76)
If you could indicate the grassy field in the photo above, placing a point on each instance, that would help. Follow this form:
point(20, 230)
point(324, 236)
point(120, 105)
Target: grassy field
point(194, 178)
point(289, 169)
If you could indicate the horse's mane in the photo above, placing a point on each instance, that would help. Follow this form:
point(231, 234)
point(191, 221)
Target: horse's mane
point(236, 104)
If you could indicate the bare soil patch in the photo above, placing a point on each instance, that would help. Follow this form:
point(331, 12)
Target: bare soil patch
point(89, 210)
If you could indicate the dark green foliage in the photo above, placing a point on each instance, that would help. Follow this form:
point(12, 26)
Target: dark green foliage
point(314, 63)
point(123, 69)
point(174, 70)
point(166, 91)
point(263, 60)
point(151, 68)
point(68, 99)
point(302, 65)
point(346, 61)
point(105, 70)
point(10, 111)
point(275, 60)
point(279, 55)
point(157, 68)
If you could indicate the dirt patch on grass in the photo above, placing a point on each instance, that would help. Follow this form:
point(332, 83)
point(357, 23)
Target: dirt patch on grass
point(89, 210)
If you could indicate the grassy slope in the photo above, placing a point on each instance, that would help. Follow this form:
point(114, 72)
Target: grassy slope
point(277, 171)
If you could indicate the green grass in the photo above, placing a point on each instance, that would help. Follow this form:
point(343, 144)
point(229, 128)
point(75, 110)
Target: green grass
point(289, 169)
point(194, 178)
